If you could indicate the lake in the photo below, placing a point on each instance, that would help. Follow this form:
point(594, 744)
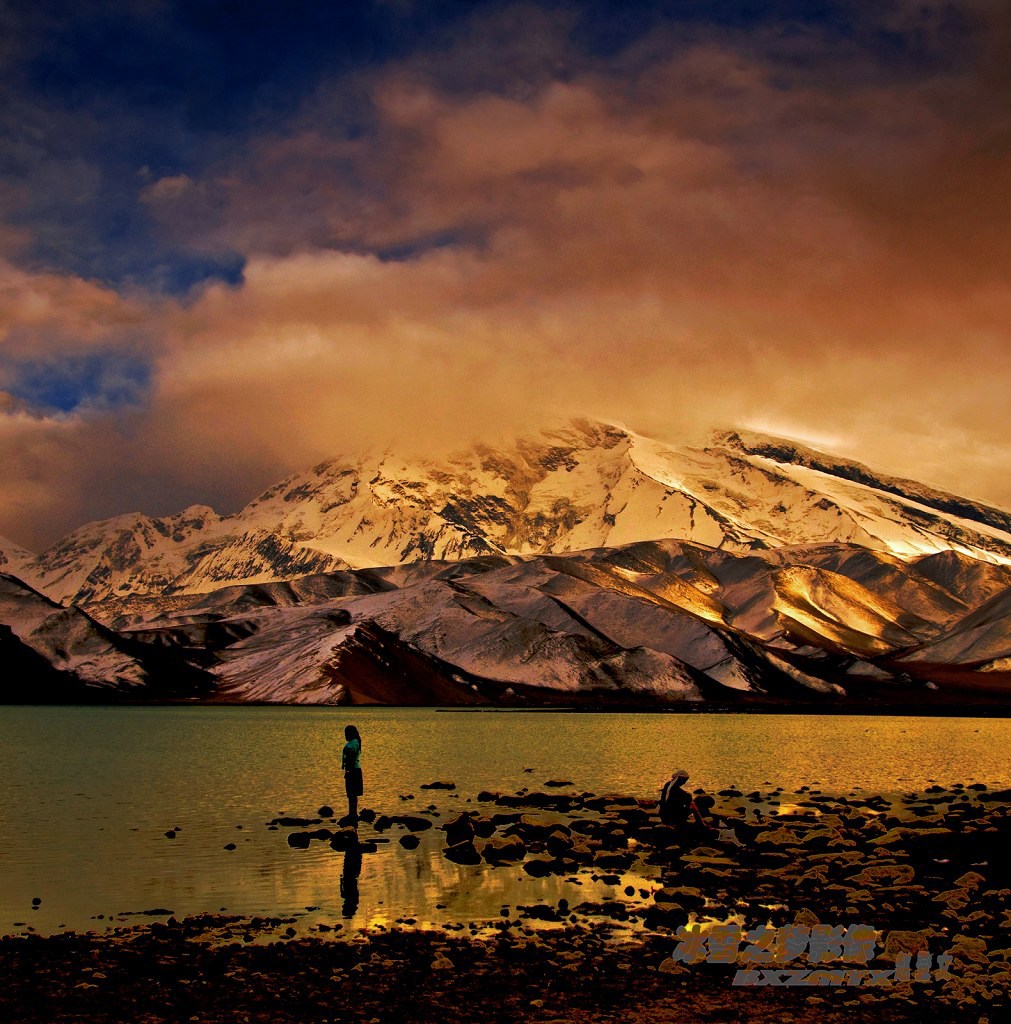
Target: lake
point(89, 793)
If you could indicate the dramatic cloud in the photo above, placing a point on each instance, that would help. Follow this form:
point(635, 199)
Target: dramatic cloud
point(796, 225)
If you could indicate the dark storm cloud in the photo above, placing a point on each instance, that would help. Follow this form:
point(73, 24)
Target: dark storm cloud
point(102, 99)
point(356, 223)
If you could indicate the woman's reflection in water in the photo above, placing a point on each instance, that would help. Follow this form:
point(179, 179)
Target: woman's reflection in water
point(349, 880)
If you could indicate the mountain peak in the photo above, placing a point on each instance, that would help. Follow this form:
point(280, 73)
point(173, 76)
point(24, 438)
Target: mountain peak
point(573, 485)
point(12, 556)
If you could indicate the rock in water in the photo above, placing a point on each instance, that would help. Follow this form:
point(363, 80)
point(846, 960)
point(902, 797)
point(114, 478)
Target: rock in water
point(497, 850)
point(459, 830)
point(413, 823)
point(345, 839)
point(463, 853)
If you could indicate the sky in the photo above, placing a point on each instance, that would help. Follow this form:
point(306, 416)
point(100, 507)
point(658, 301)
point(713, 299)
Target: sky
point(237, 238)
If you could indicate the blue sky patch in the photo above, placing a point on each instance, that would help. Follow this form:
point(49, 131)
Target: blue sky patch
point(108, 380)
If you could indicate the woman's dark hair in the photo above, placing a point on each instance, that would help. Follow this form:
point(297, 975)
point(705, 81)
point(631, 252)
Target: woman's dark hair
point(351, 733)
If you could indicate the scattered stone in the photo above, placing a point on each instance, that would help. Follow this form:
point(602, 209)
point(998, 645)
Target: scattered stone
point(344, 839)
point(411, 822)
point(508, 848)
point(684, 896)
point(970, 880)
point(896, 836)
point(459, 830)
point(484, 828)
point(538, 866)
point(996, 796)
point(672, 966)
point(301, 840)
point(885, 874)
point(558, 843)
point(463, 853)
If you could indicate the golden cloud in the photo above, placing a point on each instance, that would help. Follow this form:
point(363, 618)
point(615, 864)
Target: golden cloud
point(705, 245)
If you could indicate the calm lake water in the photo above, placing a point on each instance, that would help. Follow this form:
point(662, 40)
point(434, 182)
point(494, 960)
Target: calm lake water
point(88, 794)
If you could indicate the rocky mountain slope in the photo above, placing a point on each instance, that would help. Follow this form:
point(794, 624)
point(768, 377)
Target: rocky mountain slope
point(655, 623)
point(578, 486)
point(50, 652)
point(14, 559)
point(586, 564)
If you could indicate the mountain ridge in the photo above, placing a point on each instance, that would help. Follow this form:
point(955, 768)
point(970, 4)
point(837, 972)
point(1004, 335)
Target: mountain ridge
point(652, 624)
point(585, 484)
point(944, 501)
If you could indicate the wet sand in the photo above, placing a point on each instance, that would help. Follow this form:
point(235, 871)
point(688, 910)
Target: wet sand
point(917, 890)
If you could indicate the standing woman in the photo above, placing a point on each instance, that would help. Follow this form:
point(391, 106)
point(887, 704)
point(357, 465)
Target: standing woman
point(351, 762)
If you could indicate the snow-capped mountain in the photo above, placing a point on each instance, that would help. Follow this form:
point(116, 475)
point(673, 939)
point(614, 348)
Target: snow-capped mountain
point(191, 552)
point(574, 487)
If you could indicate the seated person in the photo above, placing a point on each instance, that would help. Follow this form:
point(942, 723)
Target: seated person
point(694, 815)
point(678, 808)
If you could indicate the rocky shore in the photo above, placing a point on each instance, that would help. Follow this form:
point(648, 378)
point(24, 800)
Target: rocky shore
point(805, 906)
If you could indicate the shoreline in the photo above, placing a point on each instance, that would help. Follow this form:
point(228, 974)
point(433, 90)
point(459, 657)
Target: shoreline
point(167, 973)
point(920, 876)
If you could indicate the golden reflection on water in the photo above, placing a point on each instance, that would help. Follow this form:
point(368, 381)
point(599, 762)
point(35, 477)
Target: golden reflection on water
point(87, 795)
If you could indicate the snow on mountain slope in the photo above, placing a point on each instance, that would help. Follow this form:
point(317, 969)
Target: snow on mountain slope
point(573, 487)
point(651, 622)
point(967, 579)
point(13, 558)
point(66, 638)
point(560, 593)
point(462, 627)
point(893, 523)
point(28, 678)
point(290, 655)
point(784, 452)
point(574, 625)
point(129, 554)
point(256, 556)
point(296, 655)
point(193, 552)
point(825, 607)
point(981, 639)
point(930, 605)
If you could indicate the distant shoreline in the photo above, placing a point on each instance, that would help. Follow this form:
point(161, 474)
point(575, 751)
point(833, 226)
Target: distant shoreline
point(980, 710)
